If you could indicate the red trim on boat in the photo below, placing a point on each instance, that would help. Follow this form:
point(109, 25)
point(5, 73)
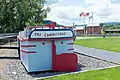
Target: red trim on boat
point(26, 39)
point(53, 56)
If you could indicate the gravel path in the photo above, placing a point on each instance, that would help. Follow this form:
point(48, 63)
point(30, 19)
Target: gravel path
point(13, 69)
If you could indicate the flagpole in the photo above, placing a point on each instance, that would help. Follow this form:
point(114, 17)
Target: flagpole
point(92, 25)
point(89, 24)
point(84, 14)
point(84, 26)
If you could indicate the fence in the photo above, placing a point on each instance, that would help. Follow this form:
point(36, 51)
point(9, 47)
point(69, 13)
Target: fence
point(9, 41)
point(99, 35)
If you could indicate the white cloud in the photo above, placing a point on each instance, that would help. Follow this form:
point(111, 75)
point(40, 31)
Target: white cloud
point(65, 15)
point(99, 3)
point(103, 10)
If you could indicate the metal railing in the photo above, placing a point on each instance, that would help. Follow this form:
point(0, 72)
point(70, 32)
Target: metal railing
point(7, 42)
point(8, 34)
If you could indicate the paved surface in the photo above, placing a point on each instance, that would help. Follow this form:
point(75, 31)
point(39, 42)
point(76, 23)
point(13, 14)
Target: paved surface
point(88, 37)
point(101, 54)
point(96, 37)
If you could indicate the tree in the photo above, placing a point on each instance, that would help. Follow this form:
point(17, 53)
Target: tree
point(17, 14)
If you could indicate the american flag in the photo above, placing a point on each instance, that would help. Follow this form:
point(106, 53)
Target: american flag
point(84, 14)
point(81, 14)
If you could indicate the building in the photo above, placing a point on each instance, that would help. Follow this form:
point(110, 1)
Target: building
point(95, 29)
point(79, 30)
point(107, 27)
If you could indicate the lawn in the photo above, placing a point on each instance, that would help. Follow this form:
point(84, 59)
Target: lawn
point(112, 44)
point(106, 74)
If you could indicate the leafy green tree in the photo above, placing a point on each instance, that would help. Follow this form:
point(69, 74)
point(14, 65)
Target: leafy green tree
point(112, 26)
point(17, 14)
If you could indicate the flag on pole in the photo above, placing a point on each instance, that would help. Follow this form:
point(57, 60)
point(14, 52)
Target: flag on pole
point(81, 14)
point(84, 14)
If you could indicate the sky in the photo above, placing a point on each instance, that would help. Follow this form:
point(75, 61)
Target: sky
point(66, 12)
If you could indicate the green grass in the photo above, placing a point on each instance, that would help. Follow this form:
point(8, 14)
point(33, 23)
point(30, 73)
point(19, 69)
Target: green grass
point(112, 44)
point(106, 74)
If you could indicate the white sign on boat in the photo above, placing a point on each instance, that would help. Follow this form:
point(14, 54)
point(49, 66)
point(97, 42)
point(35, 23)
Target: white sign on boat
point(51, 34)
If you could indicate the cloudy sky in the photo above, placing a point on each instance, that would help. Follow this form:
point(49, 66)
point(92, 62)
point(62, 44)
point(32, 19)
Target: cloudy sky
point(67, 11)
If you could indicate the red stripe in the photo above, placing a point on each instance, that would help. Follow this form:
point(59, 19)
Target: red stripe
point(25, 39)
point(70, 43)
point(28, 52)
point(28, 45)
point(70, 49)
point(53, 56)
